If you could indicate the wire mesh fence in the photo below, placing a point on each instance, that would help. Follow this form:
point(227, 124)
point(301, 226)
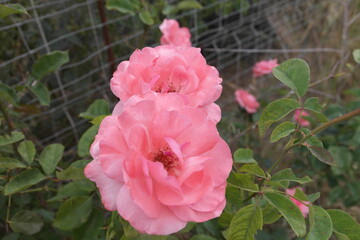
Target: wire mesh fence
point(232, 35)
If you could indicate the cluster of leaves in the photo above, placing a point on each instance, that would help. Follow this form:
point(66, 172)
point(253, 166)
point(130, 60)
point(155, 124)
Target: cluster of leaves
point(151, 13)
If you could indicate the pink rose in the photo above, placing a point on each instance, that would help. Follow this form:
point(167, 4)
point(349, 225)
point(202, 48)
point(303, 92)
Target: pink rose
point(264, 67)
point(160, 163)
point(303, 208)
point(303, 122)
point(166, 69)
point(173, 34)
point(247, 101)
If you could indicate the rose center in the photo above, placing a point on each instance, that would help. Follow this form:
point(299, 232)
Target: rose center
point(169, 160)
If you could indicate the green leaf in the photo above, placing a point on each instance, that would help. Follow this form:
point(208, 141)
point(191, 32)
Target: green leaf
point(97, 108)
point(294, 73)
point(23, 180)
point(49, 63)
point(356, 55)
point(244, 155)
point(73, 189)
point(245, 223)
point(8, 139)
point(146, 18)
point(289, 210)
point(313, 104)
point(50, 157)
point(313, 140)
point(42, 93)
point(253, 169)
point(71, 173)
point(343, 159)
point(320, 224)
point(344, 224)
point(299, 194)
point(322, 154)
point(313, 197)
point(98, 120)
point(92, 229)
point(86, 140)
point(73, 213)
point(10, 163)
point(123, 6)
point(276, 111)
point(202, 237)
point(27, 151)
point(243, 181)
point(282, 130)
point(270, 214)
point(8, 94)
point(26, 222)
point(8, 9)
point(287, 174)
point(187, 5)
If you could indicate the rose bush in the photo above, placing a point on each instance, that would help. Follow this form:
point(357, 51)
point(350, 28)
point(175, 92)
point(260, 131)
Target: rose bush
point(160, 163)
point(303, 208)
point(298, 117)
point(264, 67)
point(247, 100)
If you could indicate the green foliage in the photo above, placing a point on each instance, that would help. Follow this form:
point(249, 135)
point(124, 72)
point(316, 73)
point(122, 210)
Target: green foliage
point(49, 63)
point(294, 73)
point(322, 154)
point(50, 157)
point(123, 6)
point(344, 224)
point(73, 213)
point(243, 181)
point(23, 181)
point(342, 158)
point(244, 155)
point(320, 224)
point(246, 222)
point(42, 93)
point(10, 163)
point(98, 108)
point(26, 222)
point(13, 138)
point(86, 140)
point(282, 130)
point(276, 111)
point(289, 210)
point(356, 55)
point(288, 175)
point(27, 151)
point(270, 214)
point(8, 9)
point(253, 169)
point(146, 17)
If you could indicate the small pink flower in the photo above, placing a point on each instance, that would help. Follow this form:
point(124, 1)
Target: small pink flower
point(247, 100)
point(166, 69)
point(303, 122)
point(264, 67)
point(160, 163)
point(303, 208)
point(173, 34)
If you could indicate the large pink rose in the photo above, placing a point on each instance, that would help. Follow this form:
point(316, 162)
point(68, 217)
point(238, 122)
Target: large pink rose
point(173, 34)
point(303, 208)
point(302, 121)
point(247, 101)
point(160, 163)
point(167, 69)
point(264, 67)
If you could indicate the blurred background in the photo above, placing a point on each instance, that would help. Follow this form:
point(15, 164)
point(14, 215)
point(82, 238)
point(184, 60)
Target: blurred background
point(233, 36)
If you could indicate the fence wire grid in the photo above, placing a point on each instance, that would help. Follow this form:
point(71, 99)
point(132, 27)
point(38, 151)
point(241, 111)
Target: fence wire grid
point(231, 38)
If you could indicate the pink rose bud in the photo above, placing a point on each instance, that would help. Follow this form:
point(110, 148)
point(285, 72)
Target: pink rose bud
point(247, 101)
point(303, 208)
point(160, 163)
point(264, 67)
point(302, 121)
point(173, 34)
point(169, 69)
